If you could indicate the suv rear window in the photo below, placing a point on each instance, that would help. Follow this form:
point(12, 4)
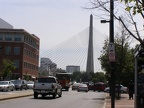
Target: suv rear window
point(46, 80)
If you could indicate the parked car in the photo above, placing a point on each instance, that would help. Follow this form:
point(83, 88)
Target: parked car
point(82, 87)
point(30, 84)
point(20, 84)
point(99, 86)
point(123, 89)
point(75, 86)
point(6, 86)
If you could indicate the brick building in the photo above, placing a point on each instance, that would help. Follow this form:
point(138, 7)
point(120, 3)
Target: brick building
point(22, 48)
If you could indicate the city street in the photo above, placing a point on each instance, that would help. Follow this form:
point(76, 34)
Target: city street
point(69, 99)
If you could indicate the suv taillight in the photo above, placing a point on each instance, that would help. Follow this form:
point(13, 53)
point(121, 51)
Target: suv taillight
point(34, 86)
point(52, 86)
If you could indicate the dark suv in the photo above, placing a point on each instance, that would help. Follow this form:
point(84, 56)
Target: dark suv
point(20, 84)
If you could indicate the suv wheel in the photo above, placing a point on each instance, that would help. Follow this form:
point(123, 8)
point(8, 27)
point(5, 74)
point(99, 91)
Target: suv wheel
point(54, 95)
point(35, 95)
point(60, 94)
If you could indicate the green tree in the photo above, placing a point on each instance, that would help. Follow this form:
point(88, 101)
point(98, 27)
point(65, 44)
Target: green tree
point(86, 77)
point(121, 13)
point(99, 77)
point(136, 6)
point(124, 61)
point(76, 76)
point(7, 68)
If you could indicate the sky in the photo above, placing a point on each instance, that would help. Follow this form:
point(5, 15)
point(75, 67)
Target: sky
point(53, 21)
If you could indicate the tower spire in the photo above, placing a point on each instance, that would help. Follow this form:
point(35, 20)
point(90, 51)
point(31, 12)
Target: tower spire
point(90, 64)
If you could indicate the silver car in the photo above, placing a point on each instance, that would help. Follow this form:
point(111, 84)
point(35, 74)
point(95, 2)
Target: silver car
point(75, 86)
point(82, 87)
point(30, 84)
point(6, 86)
point(123, 89)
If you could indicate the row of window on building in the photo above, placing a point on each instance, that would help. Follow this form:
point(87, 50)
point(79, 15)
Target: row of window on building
point(8, 50)
point(19, 38)
point(31, 54)
point(16, 51)
point(30, 66)
point(26, 65)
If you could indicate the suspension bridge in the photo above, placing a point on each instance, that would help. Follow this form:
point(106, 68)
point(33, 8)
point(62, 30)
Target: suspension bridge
point(74, 50)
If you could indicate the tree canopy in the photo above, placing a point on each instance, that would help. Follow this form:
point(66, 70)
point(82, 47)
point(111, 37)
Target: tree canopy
point(7, 68)
point(125, 12)
point(136, 6)
point(87, 77)
point(124, 60)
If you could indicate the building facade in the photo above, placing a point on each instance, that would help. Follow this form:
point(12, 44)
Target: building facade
point(22, 48)
point(47, 67)
point(72, 69)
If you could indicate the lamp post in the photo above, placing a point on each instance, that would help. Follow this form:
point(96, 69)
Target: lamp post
point(111, 53)
point(112, 63)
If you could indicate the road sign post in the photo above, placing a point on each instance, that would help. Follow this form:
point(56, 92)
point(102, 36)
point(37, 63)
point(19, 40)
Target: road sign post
point(111, 52)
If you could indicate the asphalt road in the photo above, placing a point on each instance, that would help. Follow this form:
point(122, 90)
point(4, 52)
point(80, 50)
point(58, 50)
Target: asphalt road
point(69, 99)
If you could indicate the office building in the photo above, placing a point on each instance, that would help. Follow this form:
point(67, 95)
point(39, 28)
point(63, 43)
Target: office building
point(22, 48)
point(47, 67)
point(72, 69)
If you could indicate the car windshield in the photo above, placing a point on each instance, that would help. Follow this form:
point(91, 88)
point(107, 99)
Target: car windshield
point(82, 85)
point(76, 84)
point(17, 82)
point(3, 82)
point(45, 80)
point(30, 82)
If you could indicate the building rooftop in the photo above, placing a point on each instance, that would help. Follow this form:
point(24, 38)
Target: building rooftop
point(4, 24)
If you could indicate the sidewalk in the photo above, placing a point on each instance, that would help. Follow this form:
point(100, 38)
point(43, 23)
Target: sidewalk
point(123, 102)
point(15, 95)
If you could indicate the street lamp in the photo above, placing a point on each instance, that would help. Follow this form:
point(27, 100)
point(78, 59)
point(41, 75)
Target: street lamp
point(104, 21)
point(111, 53)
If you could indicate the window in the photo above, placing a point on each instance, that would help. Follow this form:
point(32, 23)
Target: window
point(16, 63)
point(1, 37)
point(17, 38)
point(45, 80)
point(8, 50)
point(16, 50)
point(1, 49)
point(8, 37)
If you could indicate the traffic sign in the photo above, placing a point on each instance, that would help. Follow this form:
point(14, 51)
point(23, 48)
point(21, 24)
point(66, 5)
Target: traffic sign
point(111, 52)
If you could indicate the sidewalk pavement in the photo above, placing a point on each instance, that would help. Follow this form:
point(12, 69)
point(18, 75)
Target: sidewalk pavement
point(123, 102)
point(5, 96)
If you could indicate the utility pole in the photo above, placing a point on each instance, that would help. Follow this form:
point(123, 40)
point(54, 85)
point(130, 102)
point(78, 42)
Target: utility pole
point(112, 62)
point(111, 53)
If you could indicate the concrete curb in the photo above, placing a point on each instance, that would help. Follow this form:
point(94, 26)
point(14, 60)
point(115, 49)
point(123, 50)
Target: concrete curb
point(104, 106)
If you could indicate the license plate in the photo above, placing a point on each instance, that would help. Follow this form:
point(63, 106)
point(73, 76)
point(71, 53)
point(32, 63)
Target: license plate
point(42, 91)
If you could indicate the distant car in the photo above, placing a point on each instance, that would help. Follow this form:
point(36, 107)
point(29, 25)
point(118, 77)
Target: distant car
point(20, 84)
point(30, 84)
point(99, 86)
point(123, 89)
point(6, 86)
point(75, 86)
point(82, 87)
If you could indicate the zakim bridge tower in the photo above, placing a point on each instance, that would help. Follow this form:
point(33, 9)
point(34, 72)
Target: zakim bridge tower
point(90, 62)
